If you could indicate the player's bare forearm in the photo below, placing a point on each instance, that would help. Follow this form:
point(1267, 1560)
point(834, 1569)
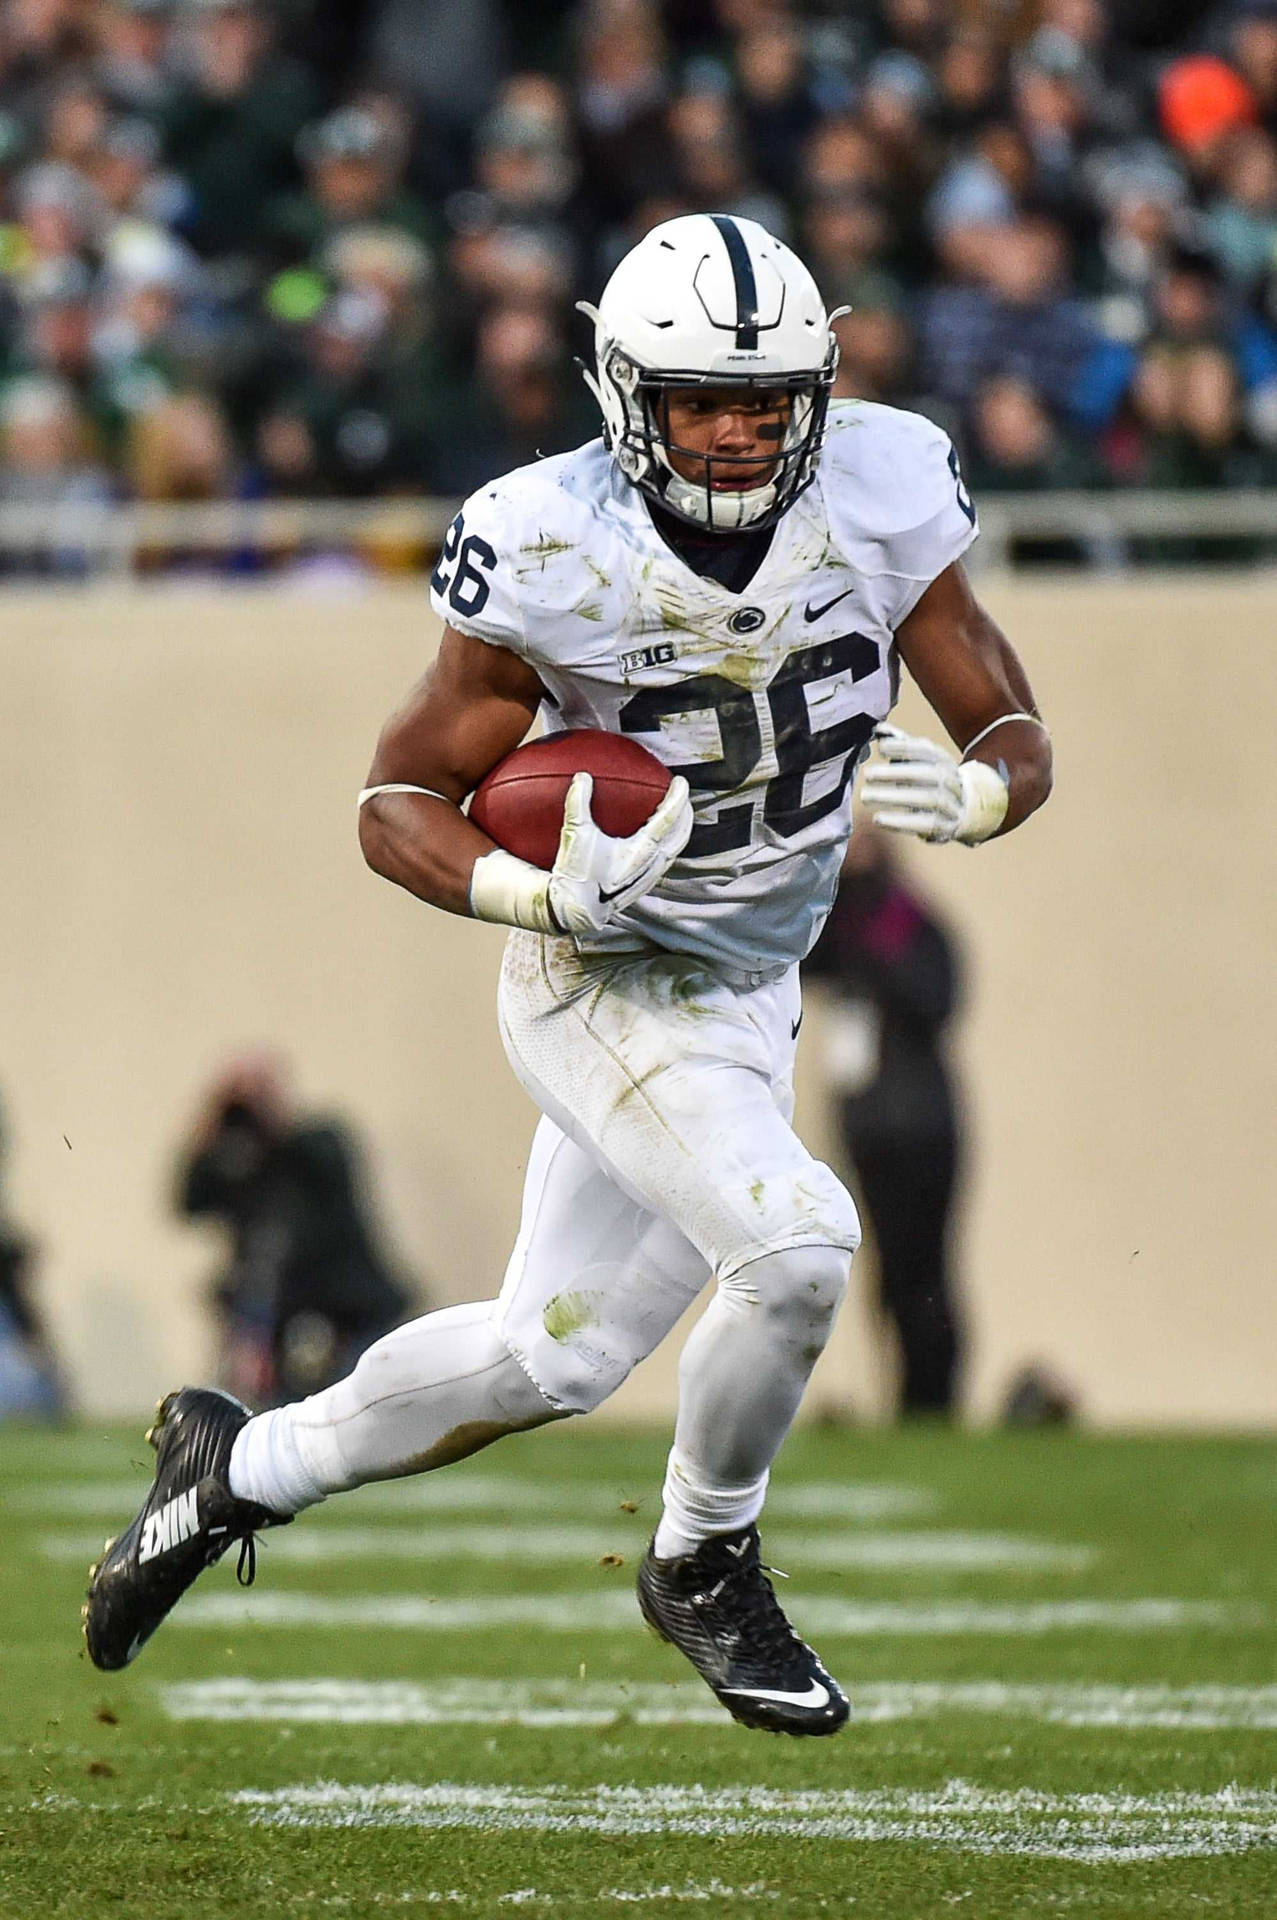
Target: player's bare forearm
point(423, 845)
point(971, 675)
point(472, 708)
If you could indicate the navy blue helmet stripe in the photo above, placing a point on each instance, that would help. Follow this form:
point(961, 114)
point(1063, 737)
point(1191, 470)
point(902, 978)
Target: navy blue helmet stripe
point(743, 275)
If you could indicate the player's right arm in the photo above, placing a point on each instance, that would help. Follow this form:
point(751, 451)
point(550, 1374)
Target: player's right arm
point(472, 708)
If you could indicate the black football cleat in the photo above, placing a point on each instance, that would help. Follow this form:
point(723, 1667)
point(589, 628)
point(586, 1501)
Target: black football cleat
point(188, 1520)
point(717, 1606)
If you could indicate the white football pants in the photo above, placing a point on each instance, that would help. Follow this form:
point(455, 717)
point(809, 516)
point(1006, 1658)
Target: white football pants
point(665, 1157)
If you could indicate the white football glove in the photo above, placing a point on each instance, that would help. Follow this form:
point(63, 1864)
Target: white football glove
point(920, 787)
point(595, 876)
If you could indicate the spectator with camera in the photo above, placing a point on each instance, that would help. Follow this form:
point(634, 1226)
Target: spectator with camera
point(305, 1287)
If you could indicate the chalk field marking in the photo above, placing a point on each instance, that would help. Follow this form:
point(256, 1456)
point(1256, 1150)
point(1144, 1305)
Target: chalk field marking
point(934, 1552)
point(855, 1503)
point(904, 1552)
point(613, 1612)
point(478, 1702)
point(572, 1703)
point(865, 1501)
point(1082, 1826)
point(319, 1546)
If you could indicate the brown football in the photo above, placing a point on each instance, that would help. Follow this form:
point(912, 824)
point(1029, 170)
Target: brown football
point(520, 803)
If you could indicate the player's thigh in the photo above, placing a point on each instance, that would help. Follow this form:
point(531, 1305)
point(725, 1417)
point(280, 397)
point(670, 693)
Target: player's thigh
point(595, 1281)
point(670, 1081)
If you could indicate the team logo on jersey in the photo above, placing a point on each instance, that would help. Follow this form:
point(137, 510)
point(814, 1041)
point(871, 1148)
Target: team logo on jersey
point(746, 620)
point(658, 656)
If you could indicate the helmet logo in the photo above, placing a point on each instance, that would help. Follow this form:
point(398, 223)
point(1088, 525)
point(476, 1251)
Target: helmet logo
point(746, 620)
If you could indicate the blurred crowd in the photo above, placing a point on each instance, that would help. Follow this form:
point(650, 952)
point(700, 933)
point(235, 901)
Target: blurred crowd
point(255, 248)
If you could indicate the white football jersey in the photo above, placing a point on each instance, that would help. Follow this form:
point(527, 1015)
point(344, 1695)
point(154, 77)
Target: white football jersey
point(764, 700)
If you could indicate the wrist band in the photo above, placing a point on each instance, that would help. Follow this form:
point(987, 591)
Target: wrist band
point(512, 892)
point(985, 798)
point(1002, 721)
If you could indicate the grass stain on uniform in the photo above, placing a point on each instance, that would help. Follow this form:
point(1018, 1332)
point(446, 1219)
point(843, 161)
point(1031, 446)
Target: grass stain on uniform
point(566, 1314)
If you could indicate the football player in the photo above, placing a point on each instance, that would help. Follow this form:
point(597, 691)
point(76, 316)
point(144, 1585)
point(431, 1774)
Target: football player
point(732, 575)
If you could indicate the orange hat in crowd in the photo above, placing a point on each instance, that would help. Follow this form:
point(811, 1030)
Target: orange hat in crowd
point(1201, 98)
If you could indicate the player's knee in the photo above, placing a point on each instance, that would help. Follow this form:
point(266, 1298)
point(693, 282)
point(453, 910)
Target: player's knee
point(815, 1287)
point(564, 1368)
point(798, 1290)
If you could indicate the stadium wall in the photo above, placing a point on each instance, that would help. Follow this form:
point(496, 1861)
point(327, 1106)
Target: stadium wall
point(182, 877)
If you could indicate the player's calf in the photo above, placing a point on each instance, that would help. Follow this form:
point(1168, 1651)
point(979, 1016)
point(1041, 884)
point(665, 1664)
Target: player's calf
point(188, 1520)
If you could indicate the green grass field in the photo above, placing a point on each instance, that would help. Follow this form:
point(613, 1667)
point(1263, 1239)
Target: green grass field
point(439, 1695)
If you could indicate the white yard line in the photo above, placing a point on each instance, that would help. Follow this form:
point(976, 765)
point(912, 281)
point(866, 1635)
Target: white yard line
point(932, 1552)
point(1083, 1826)
point(529, 1703)
point(549, 1702)
point(852, 1501)
point(902, 1552)
point(319, 1546)
point(607, 1612)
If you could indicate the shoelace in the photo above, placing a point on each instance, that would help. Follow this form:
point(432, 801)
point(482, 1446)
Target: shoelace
point(758, 1612)
point(247, 1558)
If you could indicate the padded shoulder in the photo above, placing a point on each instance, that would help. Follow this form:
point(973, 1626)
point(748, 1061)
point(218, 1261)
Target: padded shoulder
point(894, 492)
point(515, 547)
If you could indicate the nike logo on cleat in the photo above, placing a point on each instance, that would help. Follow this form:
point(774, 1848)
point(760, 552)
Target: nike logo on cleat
point(815, 1696)
point(814, 613)
point(793, 1031)
point(170, 1525)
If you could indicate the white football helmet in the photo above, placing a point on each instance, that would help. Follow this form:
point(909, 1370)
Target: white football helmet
point(710, 300)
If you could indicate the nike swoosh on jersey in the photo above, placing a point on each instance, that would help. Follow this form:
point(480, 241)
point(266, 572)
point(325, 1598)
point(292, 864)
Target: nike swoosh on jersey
point(814, 613)
point(815, 1696)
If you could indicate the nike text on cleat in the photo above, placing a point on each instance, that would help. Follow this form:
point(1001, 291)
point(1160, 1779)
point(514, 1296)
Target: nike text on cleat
point(814, 613)
point(717, 1606)
point(188, 1520)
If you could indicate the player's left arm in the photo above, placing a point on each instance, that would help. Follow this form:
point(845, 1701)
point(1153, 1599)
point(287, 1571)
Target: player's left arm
point(973, 679)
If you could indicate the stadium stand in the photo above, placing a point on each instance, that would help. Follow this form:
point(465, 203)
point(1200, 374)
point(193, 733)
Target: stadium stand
point(253, 252)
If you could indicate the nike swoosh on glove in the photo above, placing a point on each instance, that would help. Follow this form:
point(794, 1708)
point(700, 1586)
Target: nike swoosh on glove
point(595, 876)
point(919, 787)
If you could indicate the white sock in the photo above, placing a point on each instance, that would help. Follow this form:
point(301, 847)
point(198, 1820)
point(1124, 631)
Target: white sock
point(694, 1513)
point(429, 1393)
point(267, 1467)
